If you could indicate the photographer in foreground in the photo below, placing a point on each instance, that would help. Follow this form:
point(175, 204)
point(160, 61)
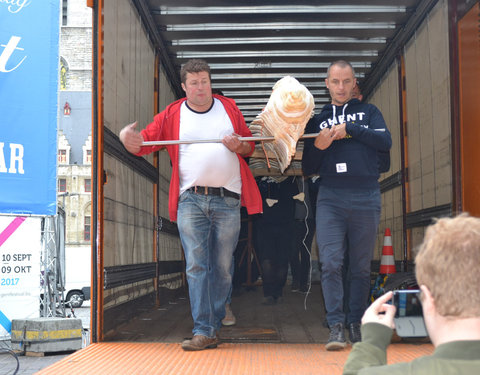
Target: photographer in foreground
point(447, 267)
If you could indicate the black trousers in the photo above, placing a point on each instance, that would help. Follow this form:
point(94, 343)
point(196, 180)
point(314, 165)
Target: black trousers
point(299, 255)
point(273, 244)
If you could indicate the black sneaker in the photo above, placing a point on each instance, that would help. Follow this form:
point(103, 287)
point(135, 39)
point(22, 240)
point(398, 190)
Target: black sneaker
point(336, 340)
point(354, 332)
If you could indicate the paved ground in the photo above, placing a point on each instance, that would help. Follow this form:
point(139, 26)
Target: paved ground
point(28, 365)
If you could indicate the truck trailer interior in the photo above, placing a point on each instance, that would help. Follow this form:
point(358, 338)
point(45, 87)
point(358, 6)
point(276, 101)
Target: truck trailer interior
point(416, 60)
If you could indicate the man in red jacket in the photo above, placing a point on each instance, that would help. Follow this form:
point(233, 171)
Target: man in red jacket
point(209, 183)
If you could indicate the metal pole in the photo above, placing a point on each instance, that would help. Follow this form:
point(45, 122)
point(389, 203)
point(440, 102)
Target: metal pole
point(218, 140)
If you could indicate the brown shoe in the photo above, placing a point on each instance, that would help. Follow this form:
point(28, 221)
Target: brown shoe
point(200, 342)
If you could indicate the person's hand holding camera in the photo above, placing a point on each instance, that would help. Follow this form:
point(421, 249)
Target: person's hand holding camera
point(380, 311)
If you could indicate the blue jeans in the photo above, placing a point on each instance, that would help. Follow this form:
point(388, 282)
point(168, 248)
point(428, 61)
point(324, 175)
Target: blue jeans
point(209, 227)
point(230, 291)
point(347, 222)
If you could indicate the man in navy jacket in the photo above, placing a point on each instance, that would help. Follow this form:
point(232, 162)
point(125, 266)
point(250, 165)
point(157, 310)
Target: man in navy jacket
point(344, 154)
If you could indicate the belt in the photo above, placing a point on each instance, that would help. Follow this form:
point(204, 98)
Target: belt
point(220, 191)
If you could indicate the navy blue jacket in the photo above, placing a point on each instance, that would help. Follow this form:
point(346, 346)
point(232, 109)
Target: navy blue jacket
point(352, 161)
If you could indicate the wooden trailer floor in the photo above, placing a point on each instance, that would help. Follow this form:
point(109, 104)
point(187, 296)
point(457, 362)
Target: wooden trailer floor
point(281, 339)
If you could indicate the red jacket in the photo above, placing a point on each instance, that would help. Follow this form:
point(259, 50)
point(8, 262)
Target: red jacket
point(166, 126)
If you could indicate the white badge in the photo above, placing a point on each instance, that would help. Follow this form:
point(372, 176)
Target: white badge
point(341, 167)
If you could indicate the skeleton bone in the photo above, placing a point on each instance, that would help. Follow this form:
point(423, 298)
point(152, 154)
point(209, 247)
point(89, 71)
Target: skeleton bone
point(285, 116)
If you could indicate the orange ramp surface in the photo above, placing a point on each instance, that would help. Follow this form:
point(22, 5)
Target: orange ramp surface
point(228, 359)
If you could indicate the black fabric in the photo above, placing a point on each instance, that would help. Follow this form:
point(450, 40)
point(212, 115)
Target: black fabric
point(383, 161)
point(299, 255)
point(274, 233)
point(304, 229)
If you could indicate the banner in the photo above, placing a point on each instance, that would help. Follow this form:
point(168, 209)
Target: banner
point(20, 248)
point(29, 37)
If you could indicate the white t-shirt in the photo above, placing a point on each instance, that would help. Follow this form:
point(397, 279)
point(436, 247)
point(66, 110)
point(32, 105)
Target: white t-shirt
point(207, 164)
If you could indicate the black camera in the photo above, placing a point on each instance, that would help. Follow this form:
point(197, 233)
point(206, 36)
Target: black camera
point(407, 302)
point(409, 315)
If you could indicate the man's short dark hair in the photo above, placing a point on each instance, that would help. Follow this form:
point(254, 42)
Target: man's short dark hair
point(341, 64)
point(194, 66)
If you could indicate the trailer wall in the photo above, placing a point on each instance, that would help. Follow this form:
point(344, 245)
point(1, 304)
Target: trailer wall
point(427, 135)
point(130, 223)
point(169, 246)
point(387, 98)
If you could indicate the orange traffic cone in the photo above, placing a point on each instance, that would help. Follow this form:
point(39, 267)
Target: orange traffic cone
point(387, 263)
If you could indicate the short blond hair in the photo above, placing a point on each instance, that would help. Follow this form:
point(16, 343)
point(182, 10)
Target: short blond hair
point(448, 262)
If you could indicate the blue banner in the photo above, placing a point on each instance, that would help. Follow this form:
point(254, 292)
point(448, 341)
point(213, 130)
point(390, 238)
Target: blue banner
point(29, 35)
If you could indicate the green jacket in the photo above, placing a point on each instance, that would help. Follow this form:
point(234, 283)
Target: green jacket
point(369, 356)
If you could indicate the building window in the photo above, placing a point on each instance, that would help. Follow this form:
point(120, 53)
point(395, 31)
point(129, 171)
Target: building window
point(86, 229)
point(62, 156)
point(64, 12)
point(63, 75)
point(88, 156)
point(62, 185)
point(88, 185)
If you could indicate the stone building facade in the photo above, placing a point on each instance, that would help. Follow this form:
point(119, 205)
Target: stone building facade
point(74, 139)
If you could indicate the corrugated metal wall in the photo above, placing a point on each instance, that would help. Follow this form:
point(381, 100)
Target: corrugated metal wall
point(428, 129)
